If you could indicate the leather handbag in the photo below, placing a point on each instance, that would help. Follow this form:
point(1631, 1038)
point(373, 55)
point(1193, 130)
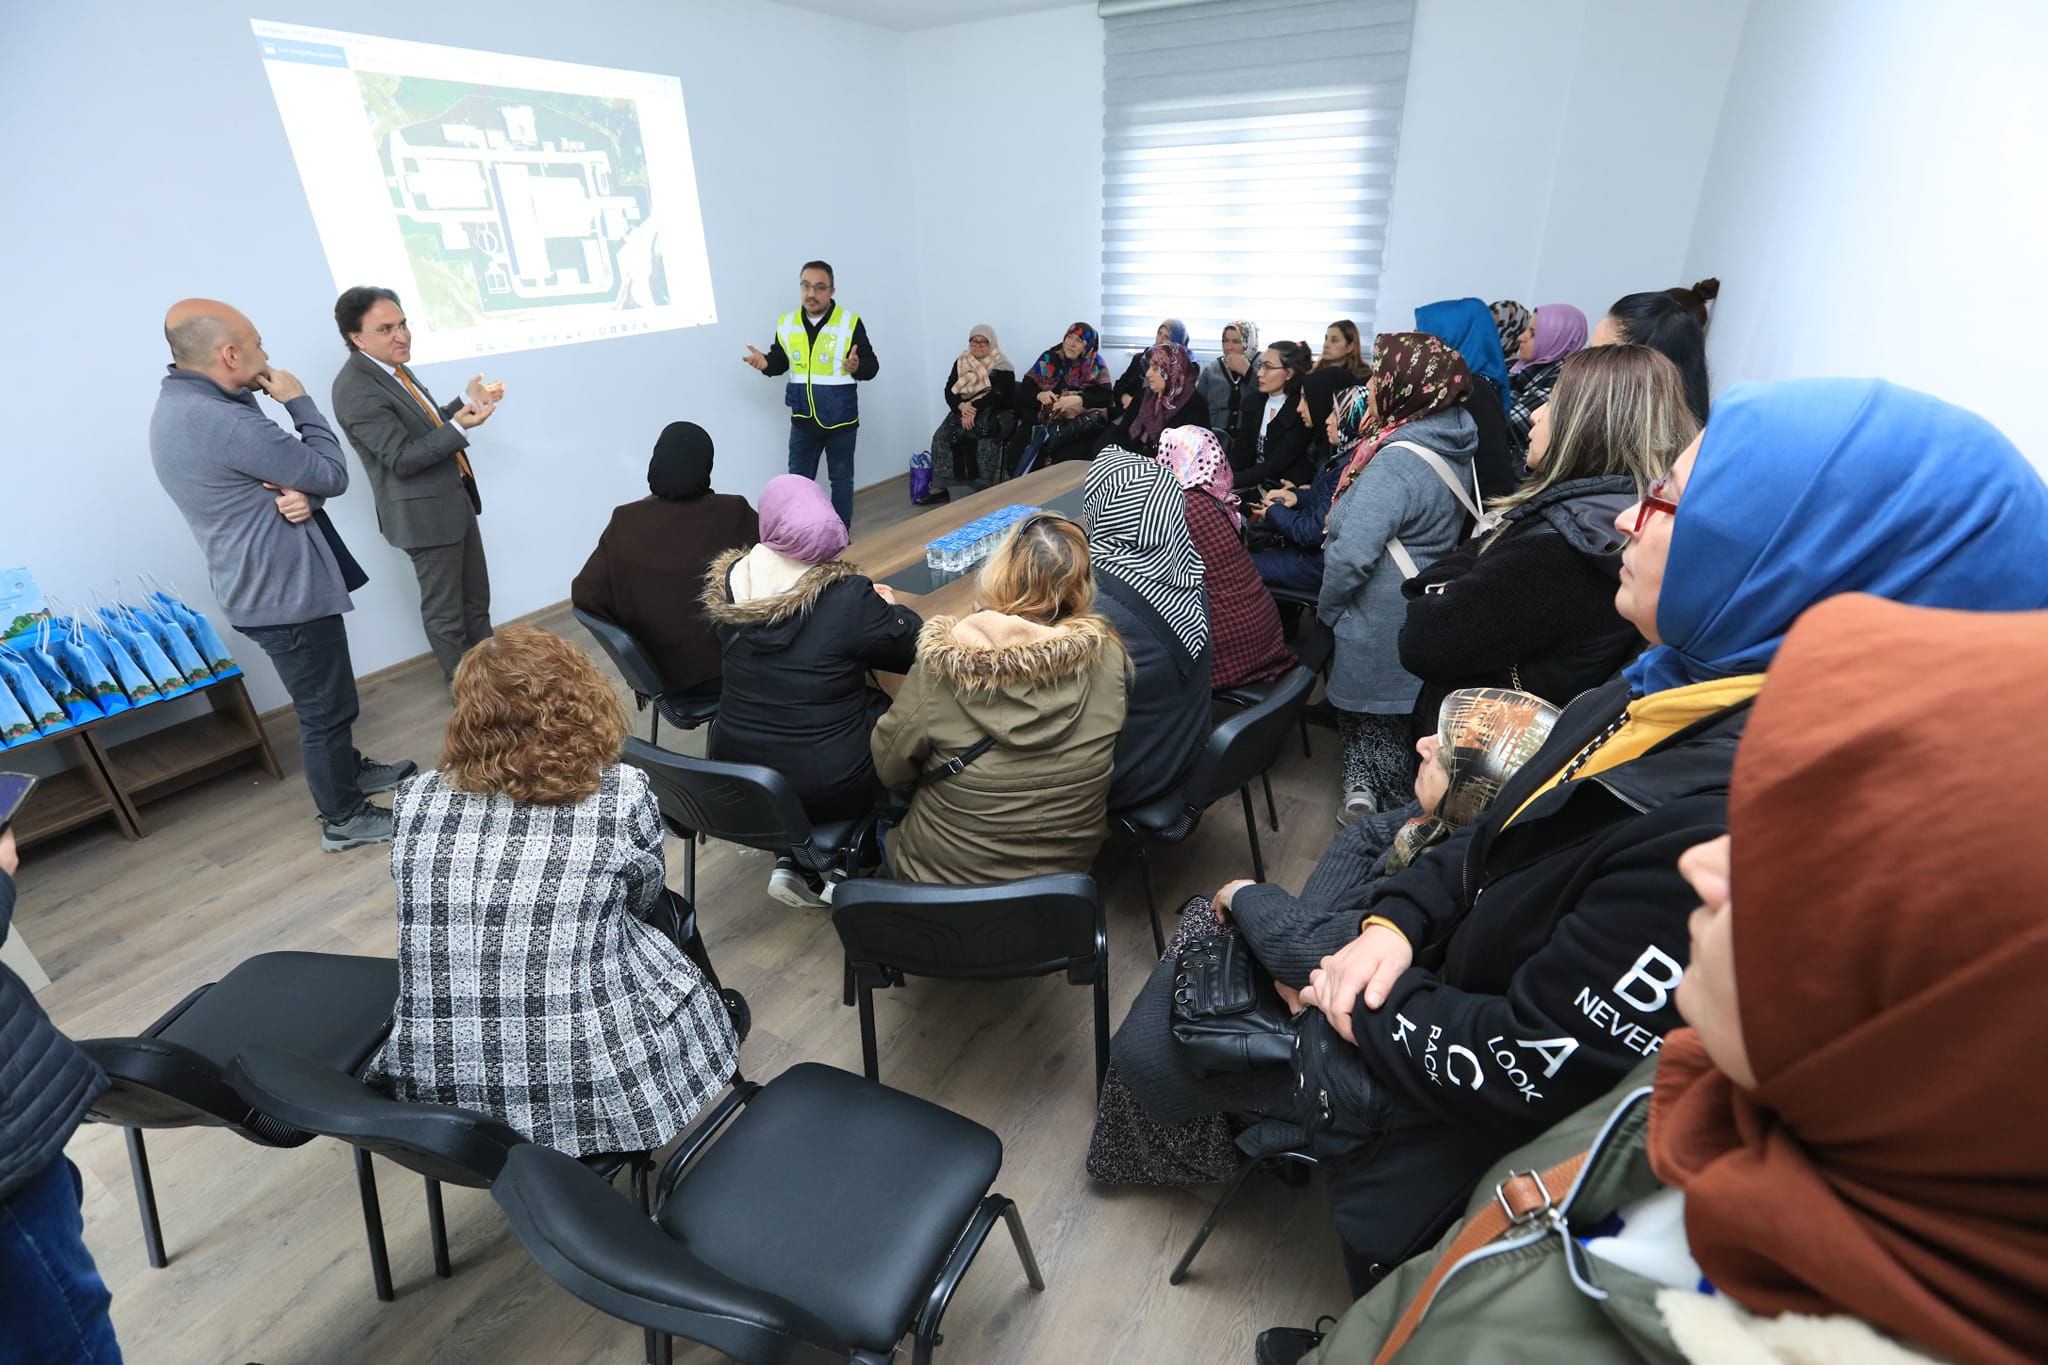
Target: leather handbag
point(1227, 1017)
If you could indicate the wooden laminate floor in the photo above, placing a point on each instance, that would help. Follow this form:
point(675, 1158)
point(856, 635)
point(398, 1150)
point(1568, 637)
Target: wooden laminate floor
point(267, 1255)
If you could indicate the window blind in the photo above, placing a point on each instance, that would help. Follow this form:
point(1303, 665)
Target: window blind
point(1248, 159)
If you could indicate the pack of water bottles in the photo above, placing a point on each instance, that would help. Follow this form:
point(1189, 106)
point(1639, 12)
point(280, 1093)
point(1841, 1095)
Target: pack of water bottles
point(962, 551)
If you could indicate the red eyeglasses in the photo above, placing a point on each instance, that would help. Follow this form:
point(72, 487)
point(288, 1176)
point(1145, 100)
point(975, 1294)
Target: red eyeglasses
point(1661, 496)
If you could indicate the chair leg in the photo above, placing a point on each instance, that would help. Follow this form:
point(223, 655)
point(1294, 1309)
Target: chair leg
point(1305, 750)
point(1251, 829)
point(1015, 1220)
point(654, 736)
point(870, 1055)
point(1151, 900)
point(1180, 1272)
point(1272, 811)
point(690, 868)
point(660, 1349)
point(437, 1229)
point(1101, 1021)
point(373, 1226)
point(145, 1197)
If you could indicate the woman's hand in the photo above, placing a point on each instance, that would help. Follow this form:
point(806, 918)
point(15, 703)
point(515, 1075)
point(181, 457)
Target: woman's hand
point(1069, 405)
point(967, 414)
point(1237, 364)
point(1046, 397)
point(1367, 966)
point(1283, 497)
point(1221, 900)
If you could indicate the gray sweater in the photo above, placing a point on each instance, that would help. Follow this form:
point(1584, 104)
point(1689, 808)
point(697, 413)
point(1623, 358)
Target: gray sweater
point(1395, 496)
point(213, 451)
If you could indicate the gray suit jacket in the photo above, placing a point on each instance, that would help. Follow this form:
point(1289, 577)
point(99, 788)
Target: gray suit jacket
point(411, 462)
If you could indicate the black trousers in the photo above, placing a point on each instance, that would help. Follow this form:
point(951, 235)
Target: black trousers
point(312, 660)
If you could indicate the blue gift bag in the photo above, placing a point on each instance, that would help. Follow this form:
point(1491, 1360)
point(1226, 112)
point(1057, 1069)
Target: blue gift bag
point(32, 650)
point(155, 664)
point(43, 711)
point(15, 726)
point(176, 644)
point(85, 669)
point(212, 649)
point(111, 652)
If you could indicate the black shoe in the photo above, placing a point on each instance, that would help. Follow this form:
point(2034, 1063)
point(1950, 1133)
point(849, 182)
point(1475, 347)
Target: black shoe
point(1287, 1345)
point(933, 497)
point(374, 777)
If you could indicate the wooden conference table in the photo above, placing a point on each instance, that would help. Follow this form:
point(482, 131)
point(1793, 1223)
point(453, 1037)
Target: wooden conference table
point(896, 556)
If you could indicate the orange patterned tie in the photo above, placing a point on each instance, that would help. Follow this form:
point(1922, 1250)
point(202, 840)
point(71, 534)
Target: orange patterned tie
point(461, 460)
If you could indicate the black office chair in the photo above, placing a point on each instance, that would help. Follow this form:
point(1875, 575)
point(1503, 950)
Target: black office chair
point(1032, 927)
point(745, 803)
point(685, 710)
point(1278, 1159)
point(835, 1217)
point(1243, 747)
point(325, 1006)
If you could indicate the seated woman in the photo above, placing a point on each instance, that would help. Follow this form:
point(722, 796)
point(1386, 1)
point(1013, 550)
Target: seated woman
point(1247, 644)
point(800, 628)
point(1531, 606)
point(1666, 324)
point(1130, 386)
point(1172, 398)
point(1522, 967)
point(1290, 552)
point(1813, 1169)
point(1342, 350)
point(1555, 330)
point(1160, 1123)
point(530, 985)
point(1510, 319)
point(1389, 495)
point(1229, 378)
point(1038, 673)
point(1467, 327)
point(1272, 445)
point(1148, 583)
point(981, 386)
point(645, 572)
point(1062, 402)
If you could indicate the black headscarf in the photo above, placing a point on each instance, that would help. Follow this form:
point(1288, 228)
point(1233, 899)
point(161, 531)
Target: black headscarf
point(681, 467)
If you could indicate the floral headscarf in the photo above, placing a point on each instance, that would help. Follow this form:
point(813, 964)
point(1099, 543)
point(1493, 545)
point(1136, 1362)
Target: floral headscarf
point(1197, 460)
point(1055, 371)
point(1350, 409)
point(1414, 375)
point(1512, 319)
point(971, 376)
point(1250, 332)
point(1157, 409)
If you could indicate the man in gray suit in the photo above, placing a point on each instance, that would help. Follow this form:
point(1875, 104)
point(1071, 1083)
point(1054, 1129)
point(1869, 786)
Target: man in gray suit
point(414, 453)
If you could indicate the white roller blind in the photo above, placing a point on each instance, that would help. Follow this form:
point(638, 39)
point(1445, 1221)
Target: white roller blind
point(1248, 157)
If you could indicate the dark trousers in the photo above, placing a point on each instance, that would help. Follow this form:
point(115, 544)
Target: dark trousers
point(455, 597)
point(312, 660)
point(53, 1303)
point(807, 441)
point(1289, 566)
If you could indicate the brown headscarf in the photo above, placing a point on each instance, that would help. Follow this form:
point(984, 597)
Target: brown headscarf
point(1890, 947)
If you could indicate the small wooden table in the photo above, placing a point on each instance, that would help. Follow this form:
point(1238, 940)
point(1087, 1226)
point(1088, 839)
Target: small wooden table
point(898, 553)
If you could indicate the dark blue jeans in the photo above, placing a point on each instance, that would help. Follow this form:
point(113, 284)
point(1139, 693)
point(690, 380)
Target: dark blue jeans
point(53, 1303)
point(312, 659)
point(807, 441)
point(1289, 566)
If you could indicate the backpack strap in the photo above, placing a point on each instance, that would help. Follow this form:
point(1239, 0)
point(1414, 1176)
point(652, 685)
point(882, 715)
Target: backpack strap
point(1482, 521)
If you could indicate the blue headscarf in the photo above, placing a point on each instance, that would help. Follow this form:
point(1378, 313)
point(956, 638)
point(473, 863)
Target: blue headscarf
point(1815, 487)
point(1467, 327)
point(1176, 331)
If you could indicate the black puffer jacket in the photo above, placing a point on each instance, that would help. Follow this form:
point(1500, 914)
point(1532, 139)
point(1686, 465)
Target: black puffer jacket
point(46, 1083)
point(796, 695)
point(1536, 604)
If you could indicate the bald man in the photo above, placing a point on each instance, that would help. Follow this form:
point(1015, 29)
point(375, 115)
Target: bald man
point(251, 492)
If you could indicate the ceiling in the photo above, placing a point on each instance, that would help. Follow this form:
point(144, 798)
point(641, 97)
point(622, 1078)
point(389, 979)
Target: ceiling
point(905, 15)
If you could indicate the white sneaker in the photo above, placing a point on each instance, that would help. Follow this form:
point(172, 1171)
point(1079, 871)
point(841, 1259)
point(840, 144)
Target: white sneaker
point(789, 886)
point(1358, 804)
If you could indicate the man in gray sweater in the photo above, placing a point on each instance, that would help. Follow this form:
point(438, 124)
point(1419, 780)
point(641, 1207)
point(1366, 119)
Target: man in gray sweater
point(250, 491)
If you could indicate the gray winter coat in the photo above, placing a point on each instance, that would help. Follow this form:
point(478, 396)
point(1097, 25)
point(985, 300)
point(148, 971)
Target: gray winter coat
point(46, 1083)
point(1397, 495)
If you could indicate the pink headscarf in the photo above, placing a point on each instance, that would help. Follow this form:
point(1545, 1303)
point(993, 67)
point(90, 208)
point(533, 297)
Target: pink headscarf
point(1560, 330)
point(797, 520)
point(1197, 460)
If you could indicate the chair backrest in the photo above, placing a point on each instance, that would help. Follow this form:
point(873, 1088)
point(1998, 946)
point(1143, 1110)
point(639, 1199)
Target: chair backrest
point(155, 1083)
point(626, 655)
point(1246, 743)
point(741, 803)
point(441, 1142)
point(1023, 928)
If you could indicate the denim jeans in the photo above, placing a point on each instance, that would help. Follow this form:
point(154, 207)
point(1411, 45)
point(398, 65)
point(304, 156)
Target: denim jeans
point(312, 659)
point(807, 441)
point(1288, 566)
point(53, 1303)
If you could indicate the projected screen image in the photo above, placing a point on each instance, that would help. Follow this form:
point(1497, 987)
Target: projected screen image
point(512, 202)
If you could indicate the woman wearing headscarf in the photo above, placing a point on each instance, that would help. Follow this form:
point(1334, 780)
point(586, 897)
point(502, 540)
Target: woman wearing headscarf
point(1157, 1122)
point(1062, 401)
point(800, 628)
point(1148, 582)
point(1555, 926)
point(1287, 547)
point(1555, 330)
point(1393, 502)
point(1130, 387)
point(648, 568)
point(1230, 376)
point(1172, 398)
point(1467, 327)
point(1531, 605)
point(1832, 1162)
point(1247, 644)
point(1510, 319)
point(980, 388)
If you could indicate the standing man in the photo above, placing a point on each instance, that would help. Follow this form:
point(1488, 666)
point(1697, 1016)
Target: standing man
point(824, 349)
point(414, 453)
point(251, 493)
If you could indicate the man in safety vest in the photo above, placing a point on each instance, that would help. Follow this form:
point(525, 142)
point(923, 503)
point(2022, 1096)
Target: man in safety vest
point(823, 348)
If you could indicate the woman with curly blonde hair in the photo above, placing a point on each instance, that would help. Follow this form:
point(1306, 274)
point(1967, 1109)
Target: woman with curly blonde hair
point(531, 985)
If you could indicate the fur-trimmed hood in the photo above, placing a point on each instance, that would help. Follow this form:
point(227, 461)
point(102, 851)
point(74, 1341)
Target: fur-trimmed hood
point(776, 609)
point(1024, 683)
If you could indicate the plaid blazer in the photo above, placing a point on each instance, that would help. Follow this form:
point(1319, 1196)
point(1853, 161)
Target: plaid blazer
point(530, 986)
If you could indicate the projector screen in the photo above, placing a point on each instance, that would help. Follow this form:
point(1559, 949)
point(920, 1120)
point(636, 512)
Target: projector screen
point(511, 202)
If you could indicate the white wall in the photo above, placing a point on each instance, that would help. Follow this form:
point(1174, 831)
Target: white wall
point(1875, 198)
point(1021, 252)
point(159, 169)
point(1553, 152)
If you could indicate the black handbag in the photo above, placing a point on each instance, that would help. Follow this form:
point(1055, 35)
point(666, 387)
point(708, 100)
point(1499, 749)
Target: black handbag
point(1227, 1017)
